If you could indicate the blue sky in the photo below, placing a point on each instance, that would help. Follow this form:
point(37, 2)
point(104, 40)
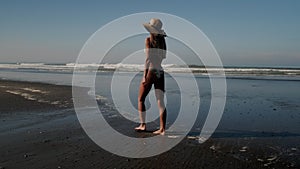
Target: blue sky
point(245, 33)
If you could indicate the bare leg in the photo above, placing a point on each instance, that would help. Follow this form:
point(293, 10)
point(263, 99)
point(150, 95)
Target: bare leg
point(143, 92)
point(142, 126)
point(162, 112)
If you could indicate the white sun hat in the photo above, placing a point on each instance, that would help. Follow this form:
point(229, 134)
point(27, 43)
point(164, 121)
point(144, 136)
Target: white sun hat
point(154, 26)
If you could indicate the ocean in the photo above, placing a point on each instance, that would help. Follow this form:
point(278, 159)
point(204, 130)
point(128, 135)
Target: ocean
point(260, 102)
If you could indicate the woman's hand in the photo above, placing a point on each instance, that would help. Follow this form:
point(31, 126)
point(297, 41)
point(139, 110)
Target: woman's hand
point(145, 75)
point(144, 79)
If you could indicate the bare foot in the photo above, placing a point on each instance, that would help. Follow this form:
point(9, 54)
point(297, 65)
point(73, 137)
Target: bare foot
point(142, 127)
point(160, 132)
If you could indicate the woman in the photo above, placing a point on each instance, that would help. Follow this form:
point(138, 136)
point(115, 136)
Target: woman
point(153, 74)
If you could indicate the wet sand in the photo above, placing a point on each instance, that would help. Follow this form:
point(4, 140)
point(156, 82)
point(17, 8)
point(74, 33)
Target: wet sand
point(39, 129)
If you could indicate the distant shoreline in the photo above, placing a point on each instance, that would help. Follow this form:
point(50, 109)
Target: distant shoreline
point(189, 65)
point(169, 68)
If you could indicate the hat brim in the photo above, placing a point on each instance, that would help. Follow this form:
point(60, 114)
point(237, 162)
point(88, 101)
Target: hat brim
point(152, 29)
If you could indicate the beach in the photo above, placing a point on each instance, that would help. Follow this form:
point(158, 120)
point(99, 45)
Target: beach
point(190, 85)
point(39, 129)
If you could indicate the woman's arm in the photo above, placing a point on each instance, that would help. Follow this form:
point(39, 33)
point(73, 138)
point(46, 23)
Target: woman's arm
point(147, 61)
